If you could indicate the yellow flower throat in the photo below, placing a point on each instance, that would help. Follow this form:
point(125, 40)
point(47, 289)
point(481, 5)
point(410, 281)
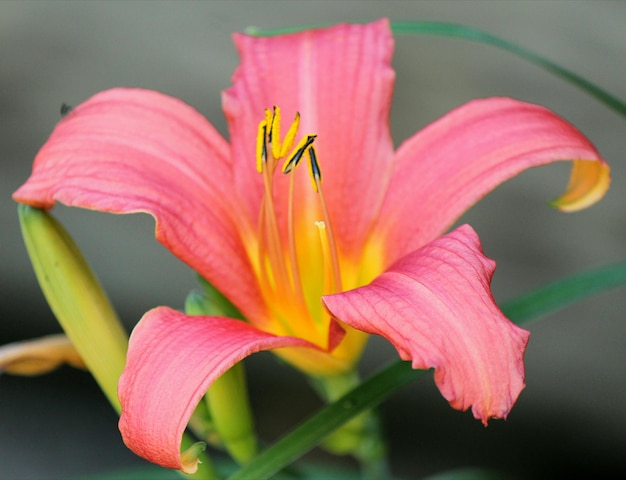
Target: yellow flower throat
point(295, 256)
point(278, 265)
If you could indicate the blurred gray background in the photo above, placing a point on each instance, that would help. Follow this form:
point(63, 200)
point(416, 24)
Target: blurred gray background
point(572, 416)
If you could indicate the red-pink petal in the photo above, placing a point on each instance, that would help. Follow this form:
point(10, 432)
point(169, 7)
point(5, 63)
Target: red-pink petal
point(133, 150)
point(340, 80)
point(447, 167)
point(172, 360)
point(435, 306)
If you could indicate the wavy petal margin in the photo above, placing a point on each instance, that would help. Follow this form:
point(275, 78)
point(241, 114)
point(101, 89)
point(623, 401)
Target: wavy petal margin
point(130, 150)
point(341, 81)
point(172, 360)
point(447, 167)
point(435, 306)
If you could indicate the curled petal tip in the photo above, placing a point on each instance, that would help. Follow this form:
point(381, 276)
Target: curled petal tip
point(190, 458)
point(154, 418)
point(435, 306)
point(588, 183)
point(35, 357)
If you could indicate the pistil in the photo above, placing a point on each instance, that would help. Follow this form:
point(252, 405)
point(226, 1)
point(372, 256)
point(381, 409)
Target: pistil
point(316, 177)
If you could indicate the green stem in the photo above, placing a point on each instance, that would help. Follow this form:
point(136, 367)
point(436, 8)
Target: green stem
point(360, 436)
point(313, 431)
point(229, 411)
point(229, 405)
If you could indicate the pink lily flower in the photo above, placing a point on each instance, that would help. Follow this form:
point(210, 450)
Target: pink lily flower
point(314, 268)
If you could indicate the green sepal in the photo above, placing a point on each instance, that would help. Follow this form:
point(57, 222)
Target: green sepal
point(83, 309)
point(202, 425)
point(76, 298)
point(215, 303)
point(229, 413)
point(230, 410)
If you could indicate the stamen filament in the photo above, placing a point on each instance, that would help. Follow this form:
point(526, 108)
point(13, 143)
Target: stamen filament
point(278, 264)
point(264, 257)
point(293, 257)
point(268, 239)
point(329, 286)
point(274, 133)
point(316, 175)
point(274, 250)
point(262, 246)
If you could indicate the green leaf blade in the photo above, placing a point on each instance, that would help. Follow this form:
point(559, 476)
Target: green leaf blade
point(311, 433)
point(473, 34)
point(454, 30)
point(564, 292)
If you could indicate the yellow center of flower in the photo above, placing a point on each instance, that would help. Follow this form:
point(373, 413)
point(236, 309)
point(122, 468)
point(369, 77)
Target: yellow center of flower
point(296, 267)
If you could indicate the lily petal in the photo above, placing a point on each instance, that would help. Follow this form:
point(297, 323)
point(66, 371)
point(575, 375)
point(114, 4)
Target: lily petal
point(447, 167)
point(435, 306)
point(42, 355)
point(588, 183)
point(340, 80)
point(172, 360)
point(134, 150)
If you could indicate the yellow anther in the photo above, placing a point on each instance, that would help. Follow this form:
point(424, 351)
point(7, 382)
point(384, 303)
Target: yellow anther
point(297, 154)
point(269, 117)
point(261, 145)
point(290, 138)
point(274, 133)
point(314, 170)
